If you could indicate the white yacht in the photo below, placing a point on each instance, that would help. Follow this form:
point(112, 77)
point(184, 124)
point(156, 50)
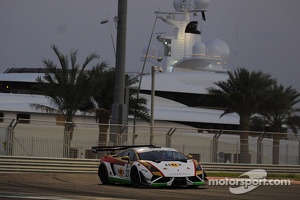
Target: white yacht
point(190, 67)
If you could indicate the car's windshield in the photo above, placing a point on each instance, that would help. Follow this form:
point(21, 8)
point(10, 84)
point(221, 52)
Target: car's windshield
point(162, 155)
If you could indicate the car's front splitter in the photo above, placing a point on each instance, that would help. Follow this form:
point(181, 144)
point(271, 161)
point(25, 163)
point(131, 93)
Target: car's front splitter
point(168, 185)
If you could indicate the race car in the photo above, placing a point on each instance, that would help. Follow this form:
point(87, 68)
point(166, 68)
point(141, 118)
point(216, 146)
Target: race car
point(149, 165)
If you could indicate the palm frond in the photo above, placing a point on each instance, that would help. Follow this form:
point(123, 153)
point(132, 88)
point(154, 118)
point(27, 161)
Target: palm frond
point(44, 108)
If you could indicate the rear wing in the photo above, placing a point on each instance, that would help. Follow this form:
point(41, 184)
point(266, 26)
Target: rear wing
point(116, 148)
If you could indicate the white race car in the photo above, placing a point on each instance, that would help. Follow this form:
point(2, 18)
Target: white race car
point(149, 165)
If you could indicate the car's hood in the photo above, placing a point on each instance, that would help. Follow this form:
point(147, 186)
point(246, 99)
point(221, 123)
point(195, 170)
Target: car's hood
point(175, 168)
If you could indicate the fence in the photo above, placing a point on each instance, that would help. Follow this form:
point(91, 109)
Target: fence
point(45, 139)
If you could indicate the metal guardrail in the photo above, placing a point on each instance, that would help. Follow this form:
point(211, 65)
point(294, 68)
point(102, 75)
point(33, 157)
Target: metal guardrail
point(70, 165)
point(39, 164)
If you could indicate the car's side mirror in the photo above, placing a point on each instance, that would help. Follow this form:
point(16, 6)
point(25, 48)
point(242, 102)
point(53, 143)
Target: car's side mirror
point(125, 158)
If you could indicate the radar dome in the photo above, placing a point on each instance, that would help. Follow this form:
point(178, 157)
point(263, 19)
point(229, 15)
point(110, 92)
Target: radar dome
point(201, 4)
point(199, 49)
point(217, 48)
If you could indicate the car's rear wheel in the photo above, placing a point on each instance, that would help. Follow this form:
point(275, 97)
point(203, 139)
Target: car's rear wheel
point(103, 174)
point(134, 177)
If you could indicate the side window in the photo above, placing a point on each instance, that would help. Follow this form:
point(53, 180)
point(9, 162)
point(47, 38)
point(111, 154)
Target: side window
point(130, 153)
point(132, 156)
point(123, 153)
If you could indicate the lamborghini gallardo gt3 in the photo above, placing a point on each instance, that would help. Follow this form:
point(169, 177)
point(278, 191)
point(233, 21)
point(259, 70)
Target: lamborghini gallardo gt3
point(149, 165)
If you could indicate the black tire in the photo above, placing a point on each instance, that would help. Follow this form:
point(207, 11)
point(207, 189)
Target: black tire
point(103, 174)
point(135, 177)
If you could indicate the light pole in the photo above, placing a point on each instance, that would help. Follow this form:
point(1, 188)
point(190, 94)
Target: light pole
point(141, 77)
point(119, 106)
point(153, 70)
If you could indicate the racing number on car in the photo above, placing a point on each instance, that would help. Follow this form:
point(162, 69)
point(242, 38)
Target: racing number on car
point(127, 166)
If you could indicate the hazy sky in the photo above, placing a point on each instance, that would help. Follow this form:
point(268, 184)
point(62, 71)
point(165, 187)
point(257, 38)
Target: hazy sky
point(261, 34)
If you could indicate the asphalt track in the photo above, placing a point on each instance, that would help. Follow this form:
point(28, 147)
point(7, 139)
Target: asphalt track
point(54, 186)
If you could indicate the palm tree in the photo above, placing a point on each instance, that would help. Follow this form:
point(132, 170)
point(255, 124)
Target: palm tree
point(103, 83)
point(280, 113)
point(68, 89)
point(244, 94)
point(102, 98)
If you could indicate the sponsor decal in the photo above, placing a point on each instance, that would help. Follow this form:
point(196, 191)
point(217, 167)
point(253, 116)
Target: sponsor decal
point(179, 174)
point(173, 165)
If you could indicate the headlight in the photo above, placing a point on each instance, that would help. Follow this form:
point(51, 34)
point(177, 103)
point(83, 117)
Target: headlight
point(198, 167)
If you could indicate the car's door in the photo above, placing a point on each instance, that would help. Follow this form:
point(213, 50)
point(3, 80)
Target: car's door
point(122, 169)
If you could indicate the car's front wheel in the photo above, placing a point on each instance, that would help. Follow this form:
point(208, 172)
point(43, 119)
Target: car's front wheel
point(135, 177)
point(103, 174)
